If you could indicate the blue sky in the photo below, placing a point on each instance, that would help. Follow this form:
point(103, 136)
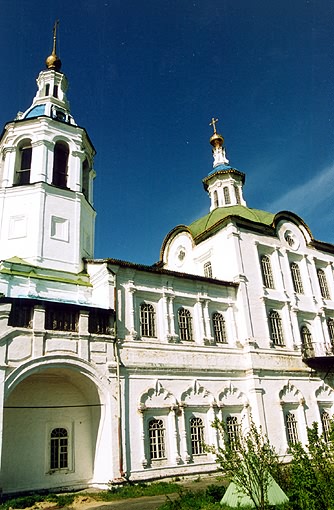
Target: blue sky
point(146, 78)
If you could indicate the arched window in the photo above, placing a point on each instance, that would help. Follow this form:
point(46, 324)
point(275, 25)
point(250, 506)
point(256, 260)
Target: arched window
point(147, 320)
point(156, 432)
point(326, 425)
point(85, 179)
point(197, 436)
point(23, 164)
point(323, 284)
point(307, 342)
point(207, 269)
point(227, 198)
point(233, 432)
point(185, 324)
point(237, 194)
point(296, 278)
point(60, 161)
point(330, 326)
point(219, 330)
point(275, 326)
point(267, 274)
point(291, 428)
point(215, 199)
point(59, 449)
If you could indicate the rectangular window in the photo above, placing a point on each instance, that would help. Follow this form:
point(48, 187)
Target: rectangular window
point(59, 449)
point(233, 432)
point(197, 436)
point(208, 270)
point(61, 318)
point(291, 428)
point(323, 284)
point(156, 431)
point(99, 322)
point(267, 274)
point(21, 314)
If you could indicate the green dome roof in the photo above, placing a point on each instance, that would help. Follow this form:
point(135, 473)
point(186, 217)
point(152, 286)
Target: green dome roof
point(208, 222)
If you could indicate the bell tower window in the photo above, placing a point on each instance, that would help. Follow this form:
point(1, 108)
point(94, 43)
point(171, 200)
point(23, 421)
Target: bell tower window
point(55, 90)
point(85, 179)
point(60, 160)
point(215, 199)
point(227, 198)
point(47, 89)
point(24, 163)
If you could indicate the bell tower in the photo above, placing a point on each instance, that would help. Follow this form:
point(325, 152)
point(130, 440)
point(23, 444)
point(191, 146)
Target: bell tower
point(224, 183)
point(46, 179)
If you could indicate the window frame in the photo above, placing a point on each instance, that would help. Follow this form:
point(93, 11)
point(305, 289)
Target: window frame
point(330, 329)
point(147, 320)
point(207, 269)
point(296, 278)
point(306, 340)
point(233, 431)
point(61, 450)
point(156, 439)
point(184, 318)
point(197, 436)
point(326, 424)
point(219, 328)
point(291, 427)
point(227, 196)
point(323, 284)
point(267, 271)
point(276, 328)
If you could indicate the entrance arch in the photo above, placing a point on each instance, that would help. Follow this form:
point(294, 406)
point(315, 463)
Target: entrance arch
point(42, 399)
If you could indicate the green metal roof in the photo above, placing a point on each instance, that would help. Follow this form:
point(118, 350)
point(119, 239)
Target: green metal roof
point(236, 497)
point(208, 222)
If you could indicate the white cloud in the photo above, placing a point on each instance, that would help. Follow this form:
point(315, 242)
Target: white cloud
point(308, 196)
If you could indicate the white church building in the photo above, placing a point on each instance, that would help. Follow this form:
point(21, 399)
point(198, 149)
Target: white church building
point(114, 370)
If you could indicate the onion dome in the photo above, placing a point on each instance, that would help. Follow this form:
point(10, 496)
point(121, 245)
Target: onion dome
point(216, 139)
point(52, 61)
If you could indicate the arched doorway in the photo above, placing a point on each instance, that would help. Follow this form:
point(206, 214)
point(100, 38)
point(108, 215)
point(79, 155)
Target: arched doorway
point(52, 420)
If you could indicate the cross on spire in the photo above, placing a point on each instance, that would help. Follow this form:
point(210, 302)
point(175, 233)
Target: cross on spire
point(55, 26)
point(213, 124)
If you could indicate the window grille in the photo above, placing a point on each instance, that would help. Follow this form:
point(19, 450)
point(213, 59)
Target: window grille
point(157, 439)
point(208, 269)
point(147, 320)
point(219, 330)
point(330, 326)
point(307, 342)
point(233, 432)
point(296, 278)
point(227, 197)
point(59, 449)
point(197, 436)
point(326, 425)
point(237, 194)
point(215, 199)
point(291, 428)
point(185, 324)
point(99, 322)
point(61, 319)
point(323, 284)
point(276, 329)
point(60, 161)
point(267, 274)
point(21, 315)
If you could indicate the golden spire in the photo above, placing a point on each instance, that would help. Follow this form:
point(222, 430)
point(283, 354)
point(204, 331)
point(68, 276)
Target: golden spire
point(216, 139)
point(53, 62)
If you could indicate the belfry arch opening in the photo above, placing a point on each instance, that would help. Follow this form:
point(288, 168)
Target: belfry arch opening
point(52, 420)
point(23, 163)
point(60, 164)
